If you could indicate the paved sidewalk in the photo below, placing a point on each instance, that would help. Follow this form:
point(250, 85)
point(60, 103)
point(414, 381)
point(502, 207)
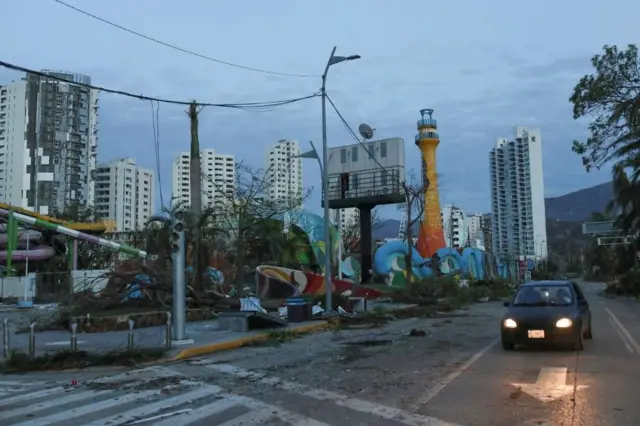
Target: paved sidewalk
point(205, 334)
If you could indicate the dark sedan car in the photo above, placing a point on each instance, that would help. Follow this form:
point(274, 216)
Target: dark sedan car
point(547, 312)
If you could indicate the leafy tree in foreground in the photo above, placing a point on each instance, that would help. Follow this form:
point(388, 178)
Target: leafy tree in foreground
point(611, 96)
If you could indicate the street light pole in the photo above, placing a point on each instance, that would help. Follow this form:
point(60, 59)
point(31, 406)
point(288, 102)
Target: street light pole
point(328, 273)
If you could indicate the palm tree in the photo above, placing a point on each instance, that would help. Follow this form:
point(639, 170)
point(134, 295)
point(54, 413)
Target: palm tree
point(626, 188)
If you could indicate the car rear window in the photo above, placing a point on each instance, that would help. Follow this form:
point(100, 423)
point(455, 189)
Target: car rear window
point(541, 295)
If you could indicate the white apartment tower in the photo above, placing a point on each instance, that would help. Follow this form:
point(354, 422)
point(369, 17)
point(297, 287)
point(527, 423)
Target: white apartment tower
point(349, 218)
point(284, 171)
point(475, 234)
point(125, 193)
point(48, 141)
point(218, 178)
point(454, 226)
point(517, 197)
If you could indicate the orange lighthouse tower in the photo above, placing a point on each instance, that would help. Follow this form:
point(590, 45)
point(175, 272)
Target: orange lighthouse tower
point(431, 237)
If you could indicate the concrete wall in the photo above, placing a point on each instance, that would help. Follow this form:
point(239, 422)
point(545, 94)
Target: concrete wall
point(11, 287)
point(94, 279)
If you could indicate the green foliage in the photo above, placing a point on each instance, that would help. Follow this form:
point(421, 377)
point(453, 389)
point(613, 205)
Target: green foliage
point(67, 359)
point(611, 96)
point(627, 284)
point(446, 287)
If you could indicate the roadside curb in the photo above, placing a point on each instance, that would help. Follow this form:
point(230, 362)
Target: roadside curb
point(238, 343)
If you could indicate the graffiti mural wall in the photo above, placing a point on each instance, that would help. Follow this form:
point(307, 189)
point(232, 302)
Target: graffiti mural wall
point(390, 261)
point(312, 225)
point(274, 282)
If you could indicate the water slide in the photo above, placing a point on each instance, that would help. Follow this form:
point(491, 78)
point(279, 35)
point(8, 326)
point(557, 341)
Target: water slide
point(27, 246)
point(19, 255)
point(91, 228)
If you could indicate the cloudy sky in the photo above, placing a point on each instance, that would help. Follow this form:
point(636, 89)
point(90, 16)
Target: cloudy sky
point(484, 66)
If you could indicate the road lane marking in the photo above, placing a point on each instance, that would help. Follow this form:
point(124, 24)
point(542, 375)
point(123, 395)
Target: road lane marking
point(624, 331)
point(31, 395)
point(355, 404)
point(435, 390)
point(50, 403)
point(286, 416)
point(64, 343)
point(196, 414)
point(551, 385)
point(83, 410)
point(624, 339)
point(133, 416)
point(251, 418)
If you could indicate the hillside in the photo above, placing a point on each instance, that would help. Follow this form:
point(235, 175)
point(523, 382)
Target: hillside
point(577, 206)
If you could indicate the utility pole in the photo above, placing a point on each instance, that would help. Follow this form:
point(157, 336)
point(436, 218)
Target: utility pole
point(195, 181)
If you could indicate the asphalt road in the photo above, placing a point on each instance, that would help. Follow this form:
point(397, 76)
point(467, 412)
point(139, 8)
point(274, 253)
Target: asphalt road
point(455, 375)
point(597, 386)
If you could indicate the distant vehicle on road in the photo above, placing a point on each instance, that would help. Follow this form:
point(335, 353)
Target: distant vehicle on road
point(547, 312)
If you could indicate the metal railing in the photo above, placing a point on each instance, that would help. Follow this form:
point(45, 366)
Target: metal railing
point(368, 183)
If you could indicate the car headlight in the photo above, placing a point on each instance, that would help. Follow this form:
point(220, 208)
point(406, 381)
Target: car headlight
point(509, 323)
point(564, 323)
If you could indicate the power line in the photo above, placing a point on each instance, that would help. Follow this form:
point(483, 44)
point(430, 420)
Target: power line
point(155, 122)
point(181, 49)
point(247, 106)
point(346, 124)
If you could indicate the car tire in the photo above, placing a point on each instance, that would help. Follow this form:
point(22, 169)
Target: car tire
point(588, 334)
point(579, 343)
point(507, 346)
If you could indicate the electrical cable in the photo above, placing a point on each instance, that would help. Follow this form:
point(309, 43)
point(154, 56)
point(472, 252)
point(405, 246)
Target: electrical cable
point(181, 49)
point(346, 124)
point(246, 106)
point(155, 122)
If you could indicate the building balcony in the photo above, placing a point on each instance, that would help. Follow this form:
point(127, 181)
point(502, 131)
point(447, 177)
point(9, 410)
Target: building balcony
point(427, 135)
point(427, 122)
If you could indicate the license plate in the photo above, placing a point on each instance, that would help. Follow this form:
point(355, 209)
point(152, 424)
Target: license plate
point(536, 334)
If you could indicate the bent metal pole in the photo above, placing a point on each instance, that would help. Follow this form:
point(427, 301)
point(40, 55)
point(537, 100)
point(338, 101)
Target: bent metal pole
point(74, 234)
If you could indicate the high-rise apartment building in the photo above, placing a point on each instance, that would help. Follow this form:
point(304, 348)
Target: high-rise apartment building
point(454, 226)
point(487, 232)
point(284, 171)
point(218, 178)
point(124, 193)
point(517, 197)
point(475, 234)
point(48, 141)
point(349, 218)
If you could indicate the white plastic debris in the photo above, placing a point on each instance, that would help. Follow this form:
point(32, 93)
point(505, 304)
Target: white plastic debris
point(344, 313)
point(251, 304)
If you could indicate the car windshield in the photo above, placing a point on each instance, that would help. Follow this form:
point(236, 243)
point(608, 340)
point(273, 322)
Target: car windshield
point(541, 295)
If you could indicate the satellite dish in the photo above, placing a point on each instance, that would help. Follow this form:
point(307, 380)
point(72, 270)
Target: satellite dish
point(365, 131)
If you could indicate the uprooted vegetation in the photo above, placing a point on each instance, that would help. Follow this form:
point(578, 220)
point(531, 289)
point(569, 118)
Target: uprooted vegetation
point(19, 362)
point(448, 290)
point(432, 298)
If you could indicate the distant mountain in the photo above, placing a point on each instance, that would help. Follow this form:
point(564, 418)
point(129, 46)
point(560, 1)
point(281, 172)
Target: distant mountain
point(563, 213)
point(577, 206)
point(388, 228)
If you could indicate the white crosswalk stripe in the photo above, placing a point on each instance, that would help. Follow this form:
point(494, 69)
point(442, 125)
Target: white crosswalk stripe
point(8, 387)
point(102, 402)
point(160, 396)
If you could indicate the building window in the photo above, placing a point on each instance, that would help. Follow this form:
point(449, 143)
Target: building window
point(354, 154)
point(343, 156)
point(383, 149)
